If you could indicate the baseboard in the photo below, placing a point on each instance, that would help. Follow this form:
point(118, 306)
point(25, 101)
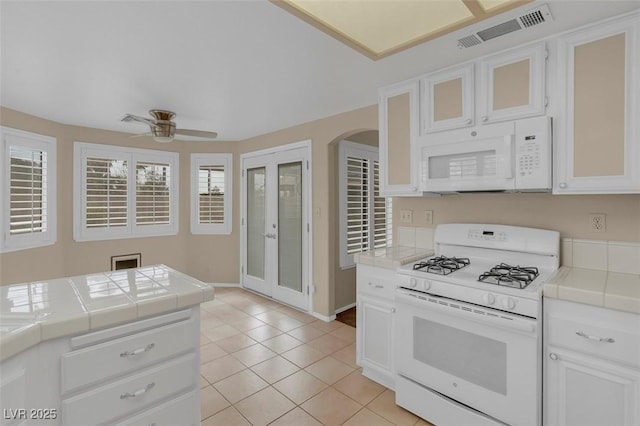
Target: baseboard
point(224, 284)
point(324, 317)
point(345, 308)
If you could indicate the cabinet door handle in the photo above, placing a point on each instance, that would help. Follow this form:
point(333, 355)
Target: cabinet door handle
point(138, 392)
point(553, 356)
point(596, 338)
point(468, 121)
point(138, 351)
point(562, 185)
point(485, 118)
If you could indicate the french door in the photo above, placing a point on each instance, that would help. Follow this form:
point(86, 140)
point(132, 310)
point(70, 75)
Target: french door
point(275, 230)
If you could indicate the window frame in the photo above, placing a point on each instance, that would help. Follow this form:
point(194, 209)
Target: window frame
point(217, 159)
point(370, 153)
point(48, 144)
point(84, 150)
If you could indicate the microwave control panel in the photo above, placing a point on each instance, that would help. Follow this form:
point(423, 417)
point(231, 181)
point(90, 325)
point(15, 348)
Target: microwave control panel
point(533, 154)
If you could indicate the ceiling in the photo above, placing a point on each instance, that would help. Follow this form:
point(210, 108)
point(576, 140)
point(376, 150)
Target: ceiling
point(241, 68)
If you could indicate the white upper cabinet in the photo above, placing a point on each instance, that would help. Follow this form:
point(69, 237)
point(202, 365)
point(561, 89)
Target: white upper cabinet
point(448, 99)
point(598, 148)
point(398, 120)
point(504, 86)
point(512, 84)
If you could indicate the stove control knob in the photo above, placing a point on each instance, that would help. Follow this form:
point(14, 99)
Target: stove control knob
point(413, 282)
point(426, 285)
point(508, 303)
point(489, 299)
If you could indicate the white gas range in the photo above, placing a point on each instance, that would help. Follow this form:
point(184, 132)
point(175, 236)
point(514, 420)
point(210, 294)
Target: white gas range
point(468, 325)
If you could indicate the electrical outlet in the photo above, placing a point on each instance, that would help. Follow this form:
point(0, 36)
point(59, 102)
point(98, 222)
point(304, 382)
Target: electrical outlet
point(428, 217)
point(406, 216)
point(598, 222)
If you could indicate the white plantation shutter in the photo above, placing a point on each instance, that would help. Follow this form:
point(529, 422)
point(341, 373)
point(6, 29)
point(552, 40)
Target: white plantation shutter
point(124, 192)
point(153, 204)
point(106, 192)
point(365, 216)
point(211, 194)
point(28, 190)
point(357, 205)
point(211, 189)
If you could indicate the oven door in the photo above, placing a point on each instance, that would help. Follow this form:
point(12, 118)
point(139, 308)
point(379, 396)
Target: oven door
point(485, 359)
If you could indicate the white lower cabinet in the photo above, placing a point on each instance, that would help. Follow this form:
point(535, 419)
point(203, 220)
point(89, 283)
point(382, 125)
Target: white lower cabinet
point(592, 368)
point(374, 323)
point(141, 373)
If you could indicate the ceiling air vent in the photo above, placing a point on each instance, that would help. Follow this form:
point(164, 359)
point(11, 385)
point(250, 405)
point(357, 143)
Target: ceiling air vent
point(537, 16)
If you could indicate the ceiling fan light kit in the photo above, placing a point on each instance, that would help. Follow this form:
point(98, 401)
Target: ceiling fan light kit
point(163, 128)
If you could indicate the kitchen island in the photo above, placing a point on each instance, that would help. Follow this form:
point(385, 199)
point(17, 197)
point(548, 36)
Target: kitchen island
point(117, 347)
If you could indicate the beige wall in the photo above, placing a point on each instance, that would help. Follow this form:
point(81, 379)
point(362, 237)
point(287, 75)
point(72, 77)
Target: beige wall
point(568, 214)
point(344, 279)
point(324, 134)
point(216, 258)
point(207, 258)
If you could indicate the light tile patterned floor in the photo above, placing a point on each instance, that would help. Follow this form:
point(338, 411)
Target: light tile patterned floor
point(266, 363)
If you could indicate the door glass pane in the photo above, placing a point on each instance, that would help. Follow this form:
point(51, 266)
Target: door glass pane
point(472, 357)
point(256, 186)
point(290, 225)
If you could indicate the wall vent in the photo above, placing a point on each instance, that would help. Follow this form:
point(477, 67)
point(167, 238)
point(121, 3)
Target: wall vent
point(537, 16)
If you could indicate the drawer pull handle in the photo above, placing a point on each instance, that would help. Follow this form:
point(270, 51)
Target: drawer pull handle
point(138, 392)
point(138, 351)
point(597, 339)
point(376, 285)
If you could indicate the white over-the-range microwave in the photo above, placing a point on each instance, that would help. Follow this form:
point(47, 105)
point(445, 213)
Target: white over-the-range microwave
point(513, 156)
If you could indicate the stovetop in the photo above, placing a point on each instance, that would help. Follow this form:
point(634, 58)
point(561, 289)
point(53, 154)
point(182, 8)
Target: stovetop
point(495, 266)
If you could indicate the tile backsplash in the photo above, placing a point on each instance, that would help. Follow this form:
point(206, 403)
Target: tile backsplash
point(613, 256)
point(414, 237)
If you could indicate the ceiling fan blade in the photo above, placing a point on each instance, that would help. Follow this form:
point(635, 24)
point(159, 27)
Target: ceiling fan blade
point(196, 134)
point(130, 117)
point(141, 134)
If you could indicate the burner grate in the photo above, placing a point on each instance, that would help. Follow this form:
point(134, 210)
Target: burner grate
point(510, 276)
point(442, 265)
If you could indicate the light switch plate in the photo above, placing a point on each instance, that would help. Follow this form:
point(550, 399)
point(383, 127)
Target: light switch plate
point(428, 217)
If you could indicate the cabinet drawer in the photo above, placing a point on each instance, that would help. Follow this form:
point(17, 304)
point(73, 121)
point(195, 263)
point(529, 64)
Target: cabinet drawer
point(184, 410)
point(120, 356)
point(131, 394)
point(376, 281)
point(602, 333)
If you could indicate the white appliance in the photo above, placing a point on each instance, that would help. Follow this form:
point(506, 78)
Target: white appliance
point(511, 157)
point(468, 326)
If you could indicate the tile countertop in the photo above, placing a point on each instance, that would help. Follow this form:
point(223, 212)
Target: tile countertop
point(392, 257)
point(606, 289)
point(43, 310)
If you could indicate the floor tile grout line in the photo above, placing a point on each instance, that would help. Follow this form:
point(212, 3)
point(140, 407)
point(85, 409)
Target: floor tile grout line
point(323, 332)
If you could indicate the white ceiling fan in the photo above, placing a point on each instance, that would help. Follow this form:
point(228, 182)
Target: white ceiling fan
point(163, 128)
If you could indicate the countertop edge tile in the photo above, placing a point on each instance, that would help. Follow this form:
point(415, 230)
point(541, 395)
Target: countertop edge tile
point(58, 322)
point(618, 292)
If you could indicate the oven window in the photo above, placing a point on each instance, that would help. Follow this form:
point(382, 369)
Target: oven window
point(471, 357)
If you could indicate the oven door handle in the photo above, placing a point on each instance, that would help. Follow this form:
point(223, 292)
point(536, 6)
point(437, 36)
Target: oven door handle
point(465, 311)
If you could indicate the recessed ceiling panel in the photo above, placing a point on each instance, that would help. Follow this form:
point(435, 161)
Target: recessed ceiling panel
point(384, 25)
point(379, 28)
